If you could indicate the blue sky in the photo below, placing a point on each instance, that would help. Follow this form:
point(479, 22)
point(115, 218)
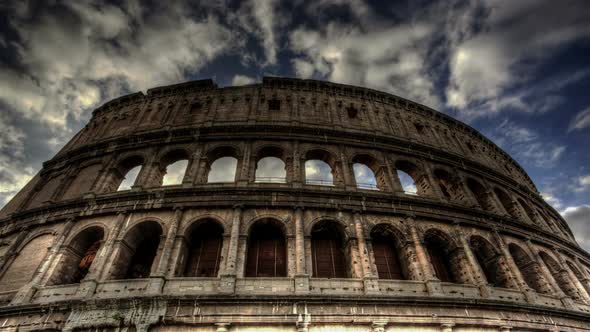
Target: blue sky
point(518, 71)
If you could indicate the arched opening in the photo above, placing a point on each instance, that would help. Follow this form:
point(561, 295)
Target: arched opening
point(173, 167)
point(528, 268)
point(478, 190)
point(489, 260)
point(126, 174)
point(267, 252)
point(449, 185)
point(270, 168)
point(506, 202)
point(367, 173)
point(443, 256)
point(527, 209)
point(78, 256)
point(409, 178)
point(579, 276)
point(203, 250)
point(222, 164)
point(327, 250)
point(223, 170)
point(560, 276)
point(386, 250)
point(22, 269)
point(318, 169)
point(138, 251)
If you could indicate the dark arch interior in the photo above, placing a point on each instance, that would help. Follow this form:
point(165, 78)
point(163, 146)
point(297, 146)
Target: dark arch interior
point(527, 267)
point(444, 182)
point(505, 200)
point(138, 255)
point(267, 252)
point(76, 261)
point(328, 254)
point(489, 261)
point(204, 250)
point(439, 252)
point(386, 252)
point(562, 279)
point(479, 192)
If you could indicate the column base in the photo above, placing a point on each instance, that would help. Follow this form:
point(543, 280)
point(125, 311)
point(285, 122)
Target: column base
point(302, 284)
point(227, 284)
point(155, 285)
point(371, 285)
point(484, 290)
point(568, 302)
point(24, 295)
point(530, 296)
point(434, 287)
point(86, 288)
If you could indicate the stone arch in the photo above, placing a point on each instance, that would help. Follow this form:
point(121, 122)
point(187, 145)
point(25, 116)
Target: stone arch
point(77, 256)
point(373, 175)
point(579, 275)
point(222, 164)
point(527, 209)
point(418, 178)
point(329, 251)
point(202, 248)
point(388, 250)
point(342, 226)
point(529, 269)
point(122, 172)
point(490, 260)
point(45, 190)
point(506, 202)
point(172, 167)
point(329, 173)
point(480, 193)
point(270, 165)
point(447, 261)
point(449, 185)
point(560, 275)
point(138, 251)
point(266, 254)
point(29, 255)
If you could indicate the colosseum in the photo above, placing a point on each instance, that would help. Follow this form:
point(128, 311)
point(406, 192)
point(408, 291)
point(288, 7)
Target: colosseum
point(287, 205)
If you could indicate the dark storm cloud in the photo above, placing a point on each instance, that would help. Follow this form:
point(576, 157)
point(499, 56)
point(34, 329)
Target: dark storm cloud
point(517, 70)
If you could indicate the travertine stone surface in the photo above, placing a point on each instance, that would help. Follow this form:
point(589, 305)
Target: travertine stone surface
point(73, 249)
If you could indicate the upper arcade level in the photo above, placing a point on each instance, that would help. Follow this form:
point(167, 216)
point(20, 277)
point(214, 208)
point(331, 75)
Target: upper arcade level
point(291, 105)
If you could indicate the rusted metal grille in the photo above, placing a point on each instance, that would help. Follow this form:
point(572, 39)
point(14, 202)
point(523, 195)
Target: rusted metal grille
point(204, 257)
point(328, 258)
point(266, 253)
point(386, 259)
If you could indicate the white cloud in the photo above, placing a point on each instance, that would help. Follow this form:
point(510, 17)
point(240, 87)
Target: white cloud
point(75, 57)
point(242, 80)
point(390, 58)
point(578, 218)
point(552, 200)
point(262, 18)
point(582, 183)
point(581, 120)
point(512, 39)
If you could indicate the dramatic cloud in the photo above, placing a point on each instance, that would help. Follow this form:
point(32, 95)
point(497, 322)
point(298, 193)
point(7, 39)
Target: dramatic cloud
point(514, 37)
point(242, 80)
point(582, 183)
point(76, 55)
point(578, 217)
point(581, 120)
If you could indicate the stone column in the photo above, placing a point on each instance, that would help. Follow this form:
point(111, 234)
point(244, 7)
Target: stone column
point(530, 294)
point(243, 176)
point(476, 270)
point(26, 293)
point(435, 186)
point(432, 283)
point(396, 185)
point(157, 279)
point(298, 167)
point(228, 279)
point(347, 172)
point(192, 169)
point(104, 256)
point(369, 280)
point(576, 283)
point(301, 277)
point(548, 276)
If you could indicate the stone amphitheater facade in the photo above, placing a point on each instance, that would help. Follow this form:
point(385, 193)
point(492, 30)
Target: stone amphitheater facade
point(474, 249)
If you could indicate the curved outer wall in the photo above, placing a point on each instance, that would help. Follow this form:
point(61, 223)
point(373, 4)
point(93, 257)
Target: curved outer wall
point(476, 249)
